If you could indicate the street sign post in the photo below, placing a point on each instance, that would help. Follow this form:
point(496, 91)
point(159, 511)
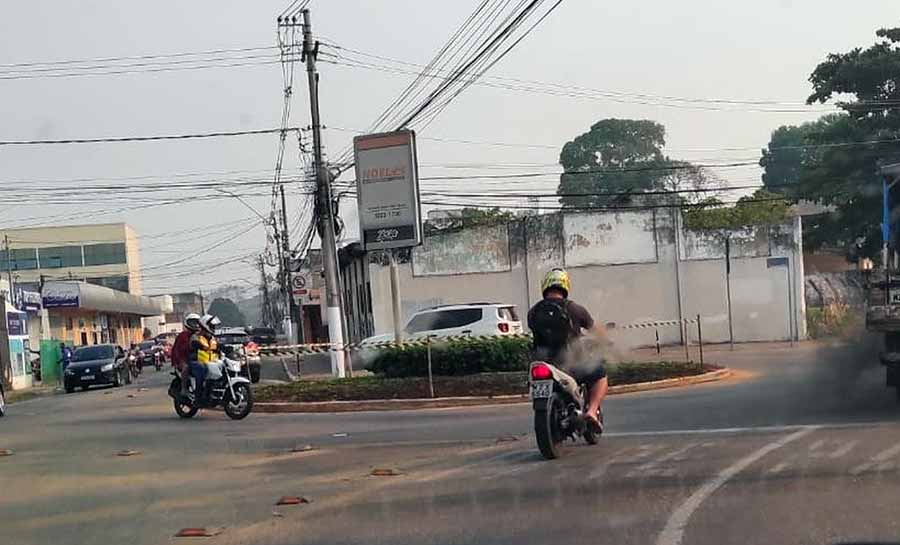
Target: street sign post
point(387, 190)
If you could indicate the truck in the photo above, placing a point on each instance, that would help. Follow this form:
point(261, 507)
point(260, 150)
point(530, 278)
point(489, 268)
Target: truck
point(882, 286)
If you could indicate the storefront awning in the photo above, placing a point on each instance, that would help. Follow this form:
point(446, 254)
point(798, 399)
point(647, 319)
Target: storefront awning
point(68, 294)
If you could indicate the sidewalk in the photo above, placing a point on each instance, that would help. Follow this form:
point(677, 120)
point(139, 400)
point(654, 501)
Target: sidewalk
point(720, 353)
point(14, 396)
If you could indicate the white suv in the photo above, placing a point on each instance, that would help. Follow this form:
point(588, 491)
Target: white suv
point(475, 319)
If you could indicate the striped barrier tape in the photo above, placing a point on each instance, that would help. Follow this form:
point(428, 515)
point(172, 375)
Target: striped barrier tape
point(643, 325)
point(322, 348)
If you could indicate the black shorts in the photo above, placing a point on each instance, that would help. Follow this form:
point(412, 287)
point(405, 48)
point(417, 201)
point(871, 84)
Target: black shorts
point(588, 374)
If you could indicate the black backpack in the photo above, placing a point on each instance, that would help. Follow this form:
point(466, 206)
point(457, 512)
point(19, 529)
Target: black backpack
point(551, 325)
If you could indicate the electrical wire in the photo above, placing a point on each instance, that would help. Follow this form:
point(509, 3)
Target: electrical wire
point(116, 139)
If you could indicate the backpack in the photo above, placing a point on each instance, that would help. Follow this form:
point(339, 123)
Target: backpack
point(551, 325)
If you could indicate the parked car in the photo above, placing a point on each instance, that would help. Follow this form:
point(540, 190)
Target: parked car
point(263, 335)
point(97, 364)
point(2, 400)
point(237, 340)
point(475, 319)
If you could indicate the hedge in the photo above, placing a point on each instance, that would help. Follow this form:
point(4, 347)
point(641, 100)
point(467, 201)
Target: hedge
point(453, 358)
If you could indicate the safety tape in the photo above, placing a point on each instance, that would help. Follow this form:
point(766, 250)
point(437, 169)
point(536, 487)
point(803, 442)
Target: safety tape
point(661, 323)
point(320, 348)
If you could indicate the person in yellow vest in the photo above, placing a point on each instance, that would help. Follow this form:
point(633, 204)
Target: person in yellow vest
point(204, 349)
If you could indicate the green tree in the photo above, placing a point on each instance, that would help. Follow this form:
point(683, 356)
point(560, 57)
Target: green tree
point(761, 208)
point(843, 152)
point(228, 312)
point(791, 149)
point(471, 217)
point(620, 156)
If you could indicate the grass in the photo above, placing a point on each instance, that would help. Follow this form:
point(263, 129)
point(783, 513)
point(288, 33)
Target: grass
point(484, 384)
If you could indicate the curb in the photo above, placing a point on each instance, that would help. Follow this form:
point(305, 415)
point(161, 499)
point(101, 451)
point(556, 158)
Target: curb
point(445, 402)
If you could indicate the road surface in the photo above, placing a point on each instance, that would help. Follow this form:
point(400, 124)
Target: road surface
point(803, 446)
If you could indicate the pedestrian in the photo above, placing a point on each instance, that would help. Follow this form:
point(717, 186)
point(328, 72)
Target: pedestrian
point(65, 354)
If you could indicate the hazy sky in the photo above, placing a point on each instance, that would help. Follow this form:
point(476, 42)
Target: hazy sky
point(747, 51)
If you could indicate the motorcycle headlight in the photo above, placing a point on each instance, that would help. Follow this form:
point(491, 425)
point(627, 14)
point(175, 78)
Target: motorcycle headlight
point(107, 367)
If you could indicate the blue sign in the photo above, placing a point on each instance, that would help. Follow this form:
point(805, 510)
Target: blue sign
point(776, 262)
point(15, 322)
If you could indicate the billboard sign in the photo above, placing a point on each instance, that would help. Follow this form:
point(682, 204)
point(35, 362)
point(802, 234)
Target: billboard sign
point(387, 190)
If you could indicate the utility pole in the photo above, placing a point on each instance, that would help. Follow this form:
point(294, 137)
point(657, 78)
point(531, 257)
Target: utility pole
point(291, 319)
point(323, 207)
point(9, 277)
point(202, 306)
point(265, 309)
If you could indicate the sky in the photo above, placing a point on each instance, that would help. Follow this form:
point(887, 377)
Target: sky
point(629, 53)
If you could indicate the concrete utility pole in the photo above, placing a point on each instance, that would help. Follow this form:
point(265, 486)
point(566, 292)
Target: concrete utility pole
point(323, 207)
point(292, 319)
point(9, 277)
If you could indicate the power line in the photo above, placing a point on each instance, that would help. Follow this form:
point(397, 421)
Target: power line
point(138, 57)
point(117, 139)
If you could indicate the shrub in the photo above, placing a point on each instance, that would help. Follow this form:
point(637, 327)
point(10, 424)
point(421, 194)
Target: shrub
point(456, 357)
point(831, 320)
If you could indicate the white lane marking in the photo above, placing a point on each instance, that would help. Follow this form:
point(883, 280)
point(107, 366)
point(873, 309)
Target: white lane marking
point(778, 468)
point(844, 450)
point(652, 468)
point(817, 445)
point(604, 467)
point(751, 429)
point(877, 461)
point(673, 532)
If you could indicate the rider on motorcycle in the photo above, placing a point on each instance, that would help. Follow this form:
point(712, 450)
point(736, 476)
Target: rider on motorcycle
point(204, 349)
point(556, 323)
point(181, 349)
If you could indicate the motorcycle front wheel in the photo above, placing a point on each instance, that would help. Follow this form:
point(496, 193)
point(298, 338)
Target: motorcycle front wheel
point(547, 427)
point(239, 406)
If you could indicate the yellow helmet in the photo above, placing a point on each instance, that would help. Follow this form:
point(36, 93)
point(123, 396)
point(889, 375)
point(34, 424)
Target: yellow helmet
point(556, 278)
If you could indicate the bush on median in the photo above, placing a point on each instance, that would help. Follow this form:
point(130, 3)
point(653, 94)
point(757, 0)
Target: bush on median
point(452, 358)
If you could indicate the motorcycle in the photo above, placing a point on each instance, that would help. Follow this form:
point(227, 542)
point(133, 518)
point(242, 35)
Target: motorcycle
point(224, 386)
point(558, 402)
point(157, 359)
point(135, 364)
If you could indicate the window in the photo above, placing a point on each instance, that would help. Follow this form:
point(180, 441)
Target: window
point(84, 338)
point(23, 259)
point(119, 283)
point(104, 254)
point(508, 313)
point(101, 352)
point(443, 319)
point(60, 256)
point(70, 324)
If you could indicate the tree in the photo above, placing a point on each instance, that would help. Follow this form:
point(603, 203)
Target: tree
point(228, 312)
point(838, 166)
point(471, 217)
point(761, 208)
point(620, 156)
point(790, 149)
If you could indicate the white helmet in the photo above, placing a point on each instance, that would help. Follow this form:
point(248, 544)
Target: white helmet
point(192, 322)
point(210, 323)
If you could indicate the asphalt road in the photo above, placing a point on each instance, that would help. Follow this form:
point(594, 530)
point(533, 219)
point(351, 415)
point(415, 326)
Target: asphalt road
point(803, 446)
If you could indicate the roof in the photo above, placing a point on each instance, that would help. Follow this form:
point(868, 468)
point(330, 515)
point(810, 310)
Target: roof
point(458, 306)
point(68, 294)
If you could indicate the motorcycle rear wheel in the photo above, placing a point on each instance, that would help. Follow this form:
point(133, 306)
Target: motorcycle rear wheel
point(184, 410)
point(546, 428)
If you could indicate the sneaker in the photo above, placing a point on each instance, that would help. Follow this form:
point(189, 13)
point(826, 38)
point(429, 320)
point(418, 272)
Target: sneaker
point(594, 422)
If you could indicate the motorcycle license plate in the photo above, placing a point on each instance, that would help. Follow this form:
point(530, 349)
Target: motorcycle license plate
point(541, 389)
point(87, 377)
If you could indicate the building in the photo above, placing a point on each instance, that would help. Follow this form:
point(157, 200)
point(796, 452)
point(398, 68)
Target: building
point(627, 267)
point(82, 314)
point(101, 254)
point(182, 304)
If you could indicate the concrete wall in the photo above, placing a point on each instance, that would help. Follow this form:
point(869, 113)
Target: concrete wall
point(626, 268)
